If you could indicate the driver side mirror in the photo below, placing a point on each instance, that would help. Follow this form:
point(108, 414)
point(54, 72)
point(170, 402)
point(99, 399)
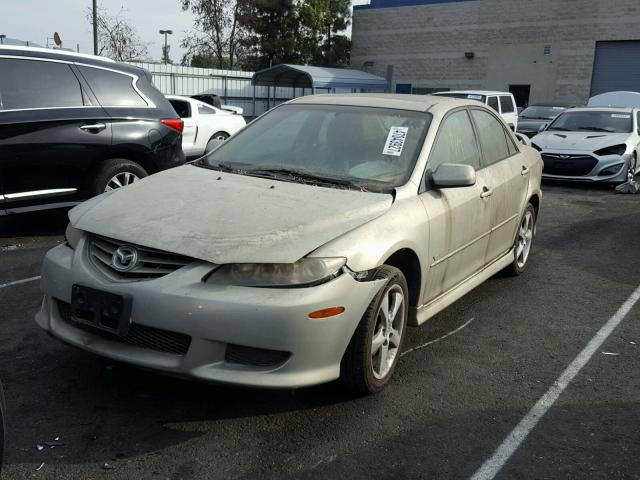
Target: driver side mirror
point(452, 175)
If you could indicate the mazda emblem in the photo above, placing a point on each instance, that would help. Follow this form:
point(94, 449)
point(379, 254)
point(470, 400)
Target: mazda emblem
point(125, 258)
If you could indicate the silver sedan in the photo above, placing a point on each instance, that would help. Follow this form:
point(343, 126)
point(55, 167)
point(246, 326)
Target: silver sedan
point(298, 251)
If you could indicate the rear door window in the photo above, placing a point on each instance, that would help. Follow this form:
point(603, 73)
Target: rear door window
point(493, 103)
point(113, 89)
point(506, 104)
point(38, 84)
point(493, 137)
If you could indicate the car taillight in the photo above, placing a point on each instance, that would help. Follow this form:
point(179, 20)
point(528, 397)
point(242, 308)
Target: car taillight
point(176, 124)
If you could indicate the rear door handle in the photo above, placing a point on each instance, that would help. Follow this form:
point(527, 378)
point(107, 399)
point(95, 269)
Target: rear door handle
point(94, 127)
point(486, 192)
point(525, 171)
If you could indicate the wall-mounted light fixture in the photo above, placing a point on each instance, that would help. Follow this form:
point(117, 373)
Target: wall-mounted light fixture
point(469, 55)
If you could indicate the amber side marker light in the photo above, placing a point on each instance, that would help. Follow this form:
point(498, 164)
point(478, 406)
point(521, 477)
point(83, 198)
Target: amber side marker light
point(327, 312)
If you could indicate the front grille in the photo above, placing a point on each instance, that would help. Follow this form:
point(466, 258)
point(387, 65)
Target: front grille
point(568, 165)
point(258, 357)
point(151, 263)
point(142, 336)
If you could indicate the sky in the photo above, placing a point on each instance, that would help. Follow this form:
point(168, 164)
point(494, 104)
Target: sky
point(35, 20)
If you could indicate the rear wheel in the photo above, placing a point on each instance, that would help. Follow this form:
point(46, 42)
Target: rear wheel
point(214, 140)
point(374, 349)
point(117, 173)
point(523, 242)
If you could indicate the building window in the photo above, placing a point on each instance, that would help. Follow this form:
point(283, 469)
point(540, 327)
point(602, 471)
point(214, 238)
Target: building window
point(547, 49)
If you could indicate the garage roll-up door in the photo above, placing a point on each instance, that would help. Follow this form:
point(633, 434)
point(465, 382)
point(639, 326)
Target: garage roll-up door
point(616, 67)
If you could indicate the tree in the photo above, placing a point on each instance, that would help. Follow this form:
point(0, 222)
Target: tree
point(218, 34)
point(117, 38)
point(273, 31)
point(322, 22)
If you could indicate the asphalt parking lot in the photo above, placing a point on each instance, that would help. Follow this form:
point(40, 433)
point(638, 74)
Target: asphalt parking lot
point(451, 404)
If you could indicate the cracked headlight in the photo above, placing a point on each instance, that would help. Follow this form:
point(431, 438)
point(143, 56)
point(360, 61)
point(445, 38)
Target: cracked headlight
point(614, 150)
point(306, 272)
point(72, 236)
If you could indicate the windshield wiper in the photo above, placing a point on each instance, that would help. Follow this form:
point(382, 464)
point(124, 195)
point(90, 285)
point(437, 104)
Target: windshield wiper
point(596, 129)
point(561, 129)
point(299, 173)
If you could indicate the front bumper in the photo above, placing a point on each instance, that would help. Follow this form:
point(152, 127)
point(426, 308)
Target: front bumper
point(215, 318)
point(595, 174)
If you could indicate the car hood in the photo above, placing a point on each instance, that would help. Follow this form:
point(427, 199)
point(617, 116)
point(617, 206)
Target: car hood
point(227, 218)
point(590, 141)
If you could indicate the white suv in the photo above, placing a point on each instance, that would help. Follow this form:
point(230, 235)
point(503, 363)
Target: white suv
point(501, 102)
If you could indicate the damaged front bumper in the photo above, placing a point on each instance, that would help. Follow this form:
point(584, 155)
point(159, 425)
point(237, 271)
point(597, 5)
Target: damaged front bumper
point(238, 335)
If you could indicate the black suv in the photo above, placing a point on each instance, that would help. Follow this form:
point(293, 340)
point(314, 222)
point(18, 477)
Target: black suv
point(73, 126)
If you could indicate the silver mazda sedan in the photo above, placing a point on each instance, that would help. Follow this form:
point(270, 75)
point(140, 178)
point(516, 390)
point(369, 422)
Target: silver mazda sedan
point(298, 251)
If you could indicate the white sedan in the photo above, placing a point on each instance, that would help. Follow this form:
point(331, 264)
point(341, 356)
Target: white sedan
point(204, 125)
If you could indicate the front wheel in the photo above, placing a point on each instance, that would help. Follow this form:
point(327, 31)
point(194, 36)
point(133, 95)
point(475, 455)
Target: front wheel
point(523, 242)
point(374, 349)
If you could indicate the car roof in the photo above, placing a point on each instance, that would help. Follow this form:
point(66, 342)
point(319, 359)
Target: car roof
point(476, 92)
point(54, 52)
point(416, 103)
point(604, 109)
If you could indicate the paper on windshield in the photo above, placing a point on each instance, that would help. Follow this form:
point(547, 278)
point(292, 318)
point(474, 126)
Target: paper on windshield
point(395, 141)
point(474, 97)
point(620, 115)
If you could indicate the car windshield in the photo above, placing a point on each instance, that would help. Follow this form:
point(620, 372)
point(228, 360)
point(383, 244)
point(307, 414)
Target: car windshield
point(542, 113)
point(345, 146)
point(610, 121)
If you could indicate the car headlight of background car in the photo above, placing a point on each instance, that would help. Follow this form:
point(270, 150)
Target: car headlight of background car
point(614, 150)
point(303, 273)
point(72, 236)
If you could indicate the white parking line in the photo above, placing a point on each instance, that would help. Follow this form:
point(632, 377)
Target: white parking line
point(18, 282)
point(453, 332)
point(492, 466)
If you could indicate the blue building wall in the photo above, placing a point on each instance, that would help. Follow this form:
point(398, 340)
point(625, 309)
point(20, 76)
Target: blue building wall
point(403, 3)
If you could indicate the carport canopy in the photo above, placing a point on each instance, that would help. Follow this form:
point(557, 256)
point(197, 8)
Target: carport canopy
point(301, 76)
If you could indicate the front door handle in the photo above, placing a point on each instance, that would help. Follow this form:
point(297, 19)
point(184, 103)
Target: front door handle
point(525, 171)
point(486, 192)
point(94, 127)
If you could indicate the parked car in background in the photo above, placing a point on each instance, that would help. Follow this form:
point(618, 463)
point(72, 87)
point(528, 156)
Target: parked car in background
point(204, 125)
point(73, 126)
point(502, 102)
point(592, 145)
point(214, 100)
point(534, 118)
point(298, 251)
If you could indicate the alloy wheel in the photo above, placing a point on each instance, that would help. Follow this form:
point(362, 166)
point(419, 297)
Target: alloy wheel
point(387, 332)
point(525, 238)
point(121, 179)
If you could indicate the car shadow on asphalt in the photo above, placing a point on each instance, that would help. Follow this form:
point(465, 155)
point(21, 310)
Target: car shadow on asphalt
point(34, 224)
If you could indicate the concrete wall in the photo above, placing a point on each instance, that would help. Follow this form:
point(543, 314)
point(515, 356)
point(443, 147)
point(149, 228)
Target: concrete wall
point(426, 44)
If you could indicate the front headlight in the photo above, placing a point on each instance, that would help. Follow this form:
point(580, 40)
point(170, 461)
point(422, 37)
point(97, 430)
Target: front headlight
point(72, 236)
point(304, 273)
point(614, 150)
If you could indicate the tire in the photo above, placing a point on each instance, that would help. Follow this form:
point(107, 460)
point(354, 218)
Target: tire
point(216, 136)
point(114, 171)
point(2, 425)
point(520, 261)
point(359, 370)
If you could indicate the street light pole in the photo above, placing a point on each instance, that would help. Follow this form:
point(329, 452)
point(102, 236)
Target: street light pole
point(165, 52)
point(95, 27)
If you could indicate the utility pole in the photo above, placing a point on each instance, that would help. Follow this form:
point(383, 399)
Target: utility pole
point(95, 27)
point(2, 37)
point(165, 51)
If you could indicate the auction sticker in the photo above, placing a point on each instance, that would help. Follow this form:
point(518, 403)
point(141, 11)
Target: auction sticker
point(395, 141)
point(618, 115)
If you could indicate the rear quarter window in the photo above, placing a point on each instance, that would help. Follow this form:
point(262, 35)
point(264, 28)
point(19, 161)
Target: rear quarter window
point(506, 104)
point(38, 84)
point(113, 89)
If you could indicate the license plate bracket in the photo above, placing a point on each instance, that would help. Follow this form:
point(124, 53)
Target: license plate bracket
point(105, 311)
